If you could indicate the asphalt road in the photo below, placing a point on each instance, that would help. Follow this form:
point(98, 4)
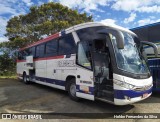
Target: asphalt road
point(17, 97)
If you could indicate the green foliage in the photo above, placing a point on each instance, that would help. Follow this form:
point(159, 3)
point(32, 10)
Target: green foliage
point(7, 64)
point(41, 21)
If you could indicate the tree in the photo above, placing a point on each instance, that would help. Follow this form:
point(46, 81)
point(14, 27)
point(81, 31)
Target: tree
point(42, 21)
point(7, 63)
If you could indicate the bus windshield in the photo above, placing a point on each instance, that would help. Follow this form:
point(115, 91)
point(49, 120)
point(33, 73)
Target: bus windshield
point(129, 59)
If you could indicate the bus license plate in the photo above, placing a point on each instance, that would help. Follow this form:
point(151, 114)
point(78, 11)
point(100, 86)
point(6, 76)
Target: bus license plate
point(145, 95)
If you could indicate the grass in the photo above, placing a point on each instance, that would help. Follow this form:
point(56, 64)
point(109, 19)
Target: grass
point(8, 77)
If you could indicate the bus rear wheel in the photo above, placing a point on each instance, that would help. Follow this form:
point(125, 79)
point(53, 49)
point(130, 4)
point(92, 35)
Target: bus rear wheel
point(25, 78)
point(72, 90)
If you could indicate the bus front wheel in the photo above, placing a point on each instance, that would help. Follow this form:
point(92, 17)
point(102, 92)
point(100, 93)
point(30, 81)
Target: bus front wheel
point(72, 90)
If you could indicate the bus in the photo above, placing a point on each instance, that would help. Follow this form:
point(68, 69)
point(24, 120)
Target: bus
point(150, 33)
point(94, 61)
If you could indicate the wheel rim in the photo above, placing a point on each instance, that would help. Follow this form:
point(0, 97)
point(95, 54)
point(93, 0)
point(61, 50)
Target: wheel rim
point(73, 89)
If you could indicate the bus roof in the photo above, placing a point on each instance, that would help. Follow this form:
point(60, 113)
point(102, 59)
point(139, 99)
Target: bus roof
point(41, 41)
point(77, 27)
point(145, 26)
point(92, 24)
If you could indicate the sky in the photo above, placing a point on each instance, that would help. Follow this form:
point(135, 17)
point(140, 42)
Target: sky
point(125, 13)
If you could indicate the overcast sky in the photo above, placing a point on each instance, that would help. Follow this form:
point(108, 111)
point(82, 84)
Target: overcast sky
point(126, 13)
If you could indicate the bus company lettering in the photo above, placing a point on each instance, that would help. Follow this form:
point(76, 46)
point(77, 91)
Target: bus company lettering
point(66, 63)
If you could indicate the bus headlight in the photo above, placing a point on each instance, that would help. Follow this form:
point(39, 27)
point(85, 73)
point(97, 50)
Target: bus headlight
point(129, 86)
point(124, 84)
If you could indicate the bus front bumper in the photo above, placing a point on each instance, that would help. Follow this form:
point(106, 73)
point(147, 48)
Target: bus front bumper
point(124, 97)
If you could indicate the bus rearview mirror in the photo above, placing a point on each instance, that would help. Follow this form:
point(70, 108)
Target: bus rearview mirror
point(152, 45)
point(120, 40)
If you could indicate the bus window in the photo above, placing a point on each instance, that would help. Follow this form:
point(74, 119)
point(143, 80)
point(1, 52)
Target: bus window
point(40, 51)
point(67, 45)
point(51, 48)
point(28, 52)
point(91, 33)
point(84, 56)
point(20, 55)
point(33, 51)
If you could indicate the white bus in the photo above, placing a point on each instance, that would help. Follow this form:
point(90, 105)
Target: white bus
point(92, 61)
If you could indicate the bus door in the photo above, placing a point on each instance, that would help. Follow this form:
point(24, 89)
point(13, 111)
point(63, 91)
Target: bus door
point(40, 65)
point(84, 80)
point(102, 70)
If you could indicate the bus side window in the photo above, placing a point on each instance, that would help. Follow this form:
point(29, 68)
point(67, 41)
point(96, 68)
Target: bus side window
point(40, 51)
point(51, 48)
point(20, 56)
point(67, 45)
point(37, 51)
point(84, 56)
point(33, 53)
point(27, 52)
point(23, 55)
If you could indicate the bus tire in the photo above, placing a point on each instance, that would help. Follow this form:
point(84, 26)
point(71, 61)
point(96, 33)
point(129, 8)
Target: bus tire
point(72, 90)
point(25, 78)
